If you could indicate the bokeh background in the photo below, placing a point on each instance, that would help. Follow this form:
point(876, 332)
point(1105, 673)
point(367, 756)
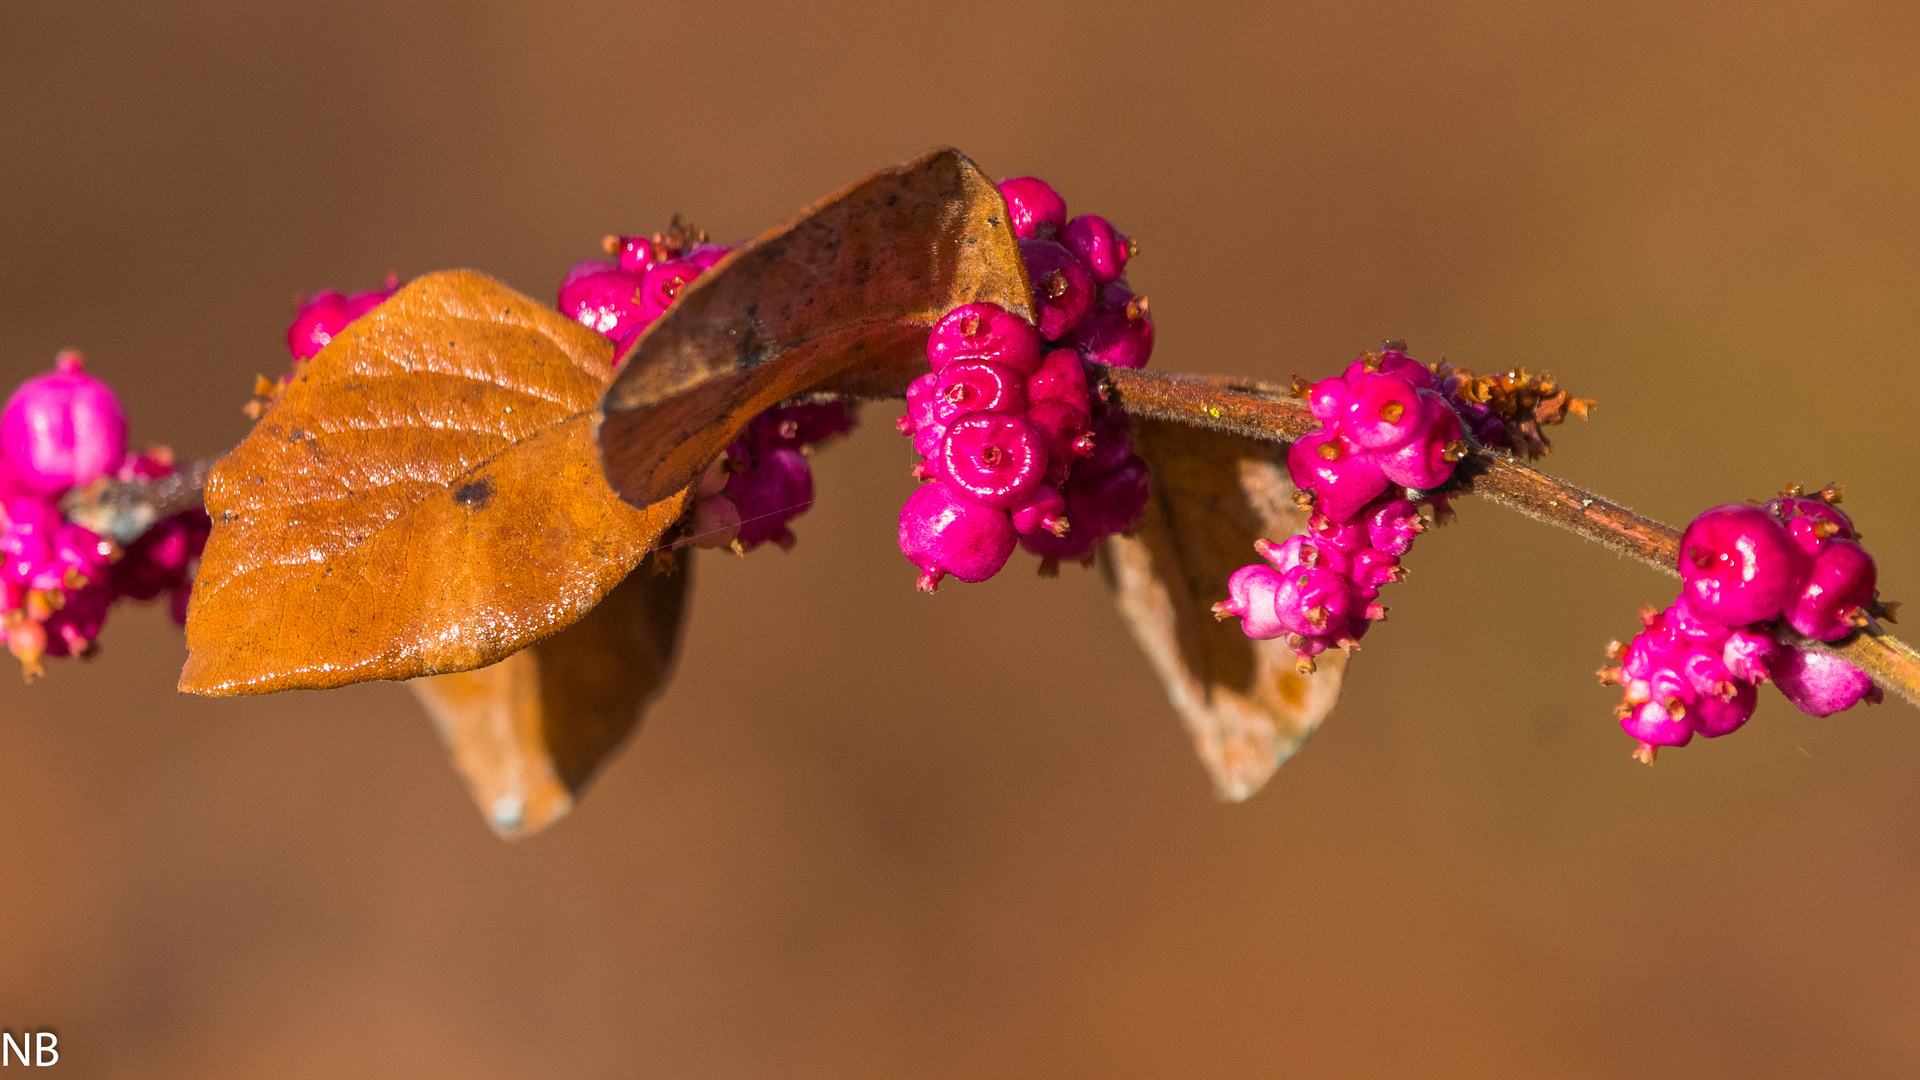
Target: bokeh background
point(866, 833)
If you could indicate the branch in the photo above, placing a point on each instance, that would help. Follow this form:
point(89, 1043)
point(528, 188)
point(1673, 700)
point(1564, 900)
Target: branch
point(124, 509)
point(1256, 410)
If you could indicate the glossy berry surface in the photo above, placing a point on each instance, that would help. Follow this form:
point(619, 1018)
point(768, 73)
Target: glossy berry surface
point(61, 429)
point(1739, 566)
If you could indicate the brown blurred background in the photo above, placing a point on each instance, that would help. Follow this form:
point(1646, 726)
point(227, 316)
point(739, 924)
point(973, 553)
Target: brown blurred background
point(871, 834)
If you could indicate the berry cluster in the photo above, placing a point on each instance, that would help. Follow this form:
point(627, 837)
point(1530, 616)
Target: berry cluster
point(763, 480)
point(1017, 450)
point(57, 579)
point(1695, 668)
point(1386, 425)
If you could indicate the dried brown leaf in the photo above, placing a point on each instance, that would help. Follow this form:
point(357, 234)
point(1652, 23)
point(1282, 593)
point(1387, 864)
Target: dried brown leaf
point(1214, 494)
point(425, 497)
point(838, 299)
point(531, 730)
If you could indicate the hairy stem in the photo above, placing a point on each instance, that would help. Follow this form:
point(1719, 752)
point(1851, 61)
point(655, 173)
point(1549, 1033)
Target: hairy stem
point(1258, 411)
point(1226, 403)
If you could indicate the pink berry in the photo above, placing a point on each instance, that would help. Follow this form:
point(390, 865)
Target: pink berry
point(634, 254)
point(1348, 536)
point(1373, 569)
point(1062, 288)
point(775, 490)
point(1384, 412)
point(1327, 400)
point(984, 332)
point(1304, 551)
point(1033, 207)
point(1061, 378)
point(1821, 684)
point(1717, 715)
point(976, 386)
point(1839, 585)
point(1342, 478)
point(1750, 655)
point(919, 403)
point(318, 319)
point(1252, 593)
point(1396, 362)
point(1108, 503)
point(1099, 245)
point(1392, 526)
point(1111, 439)
point(663, 283)
point(1811, 521)
point(62, 429)
point(1063, 430)
point(944, 533)
point(1739, 566)
point(605, 299)
point(1651, 723)
point(705, 256)
point(1427, 461)
point(1043, 508)
point(1118, 332)
point(1312, 601)
point(994, 459)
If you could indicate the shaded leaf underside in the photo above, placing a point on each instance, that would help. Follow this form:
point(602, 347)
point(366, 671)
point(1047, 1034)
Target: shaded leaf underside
point(1214, 493)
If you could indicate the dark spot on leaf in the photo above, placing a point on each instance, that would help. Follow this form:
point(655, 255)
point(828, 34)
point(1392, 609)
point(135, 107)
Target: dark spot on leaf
point(474, 495)
point(298, 435)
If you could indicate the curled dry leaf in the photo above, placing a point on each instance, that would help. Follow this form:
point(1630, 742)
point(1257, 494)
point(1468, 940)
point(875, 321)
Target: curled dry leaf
point(1214, 493)
point(840, 299)
point(531, 730)
point(424, 497)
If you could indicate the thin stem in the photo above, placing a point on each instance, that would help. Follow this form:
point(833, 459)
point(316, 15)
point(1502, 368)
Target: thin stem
point(124, 509)
point(1257, 411)
point(1226, 403)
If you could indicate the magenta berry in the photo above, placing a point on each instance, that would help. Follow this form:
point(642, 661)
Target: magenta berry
point(634, 254)
point(1044, 508)
point(603, 298)
point(1061, 378)
point(1100, 246)
point(1392, 526)
point(1342, 478)
point(993, 459)
point(663, 283)
point(1063, 289)
point(1821, 684)
point(985, 332)
point(1427, 461)
point(944, 533)
point(1064, 430)
point(1384, 412)
point(1739, 566)
point(1033, 207)
point(1833, 599)
point(1118, 332)
point(62, 429)
point(323, 315)
point(975, 386)
point(1252, 593)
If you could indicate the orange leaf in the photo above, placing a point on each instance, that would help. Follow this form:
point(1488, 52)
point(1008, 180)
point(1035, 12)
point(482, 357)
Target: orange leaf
point(839, 299)
point(531, 730)
point(1213, 495)
point(424, 497)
